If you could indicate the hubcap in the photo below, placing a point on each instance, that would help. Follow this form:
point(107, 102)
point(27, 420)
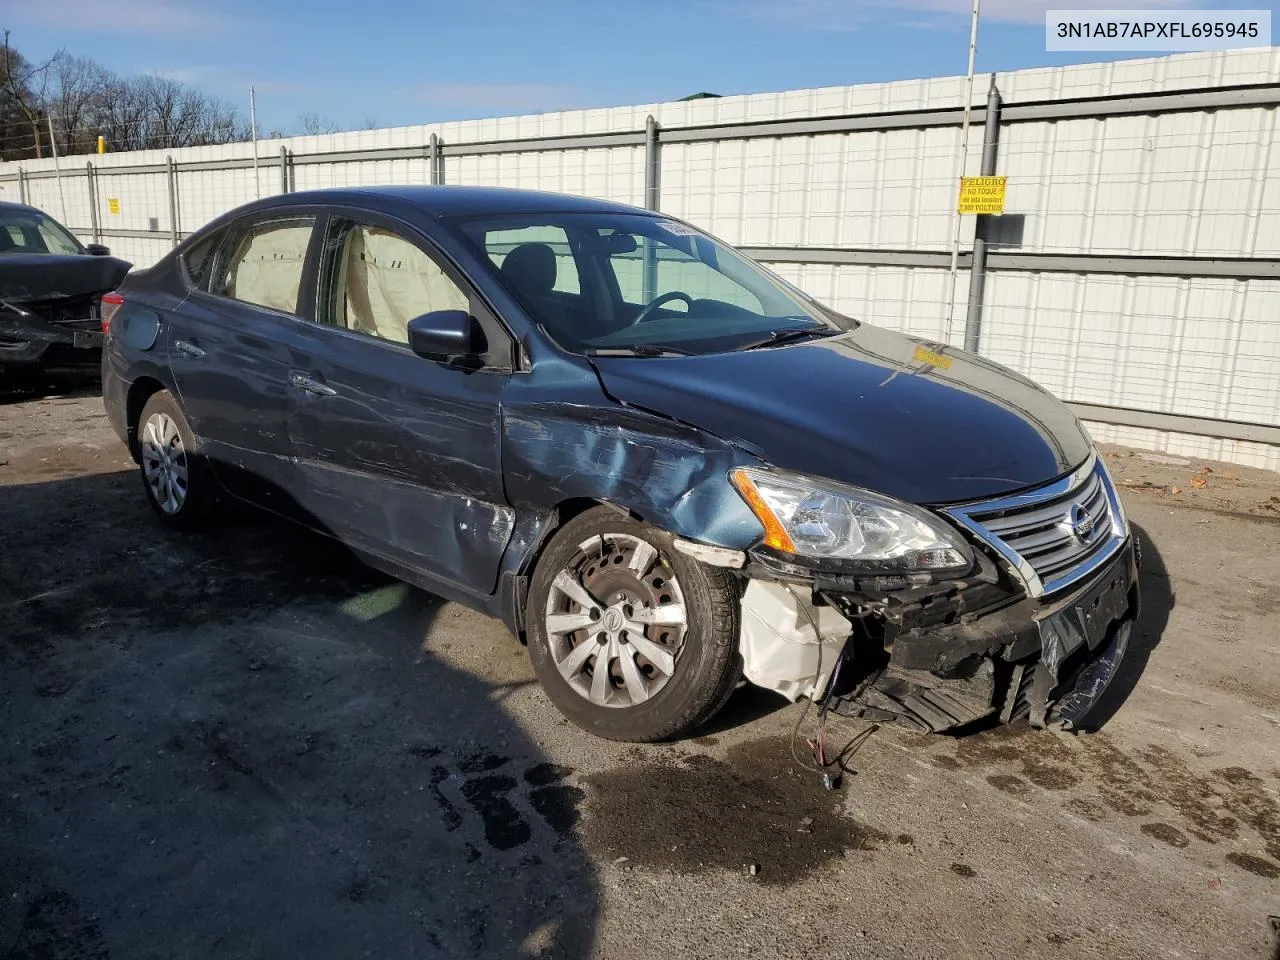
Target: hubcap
point(164, 462)
point(616, 620)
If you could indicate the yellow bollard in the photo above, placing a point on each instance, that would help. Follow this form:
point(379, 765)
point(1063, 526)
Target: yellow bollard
point(102, 144)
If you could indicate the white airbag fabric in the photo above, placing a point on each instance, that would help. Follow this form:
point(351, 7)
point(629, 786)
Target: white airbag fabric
point(780, 650)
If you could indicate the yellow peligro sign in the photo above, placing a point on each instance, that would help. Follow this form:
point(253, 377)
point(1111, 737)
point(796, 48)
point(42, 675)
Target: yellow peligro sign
point(113, 204)
point(982, 194)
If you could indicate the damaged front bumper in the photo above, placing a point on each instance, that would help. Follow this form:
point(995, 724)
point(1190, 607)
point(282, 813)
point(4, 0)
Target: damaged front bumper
point(944, 656)
point(1047, 659)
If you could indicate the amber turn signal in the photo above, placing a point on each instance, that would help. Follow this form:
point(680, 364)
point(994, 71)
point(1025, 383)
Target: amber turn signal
point(775, 534)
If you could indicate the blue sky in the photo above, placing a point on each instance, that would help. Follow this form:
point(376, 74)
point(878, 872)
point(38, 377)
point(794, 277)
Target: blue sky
point(405, 62)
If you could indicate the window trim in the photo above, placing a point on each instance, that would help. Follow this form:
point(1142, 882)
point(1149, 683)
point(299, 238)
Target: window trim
point(317, 215)
point(504, 357)
point(219, 235)
point(253, 224)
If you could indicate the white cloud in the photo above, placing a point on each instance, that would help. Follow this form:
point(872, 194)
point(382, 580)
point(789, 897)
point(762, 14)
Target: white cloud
point(162, 18)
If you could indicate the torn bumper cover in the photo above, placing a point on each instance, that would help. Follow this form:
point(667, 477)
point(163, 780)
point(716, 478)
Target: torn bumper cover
point(1047, 659)
point(950, 657)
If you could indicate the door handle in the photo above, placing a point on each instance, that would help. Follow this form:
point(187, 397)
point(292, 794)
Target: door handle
point(303, 382)
point(188, 349)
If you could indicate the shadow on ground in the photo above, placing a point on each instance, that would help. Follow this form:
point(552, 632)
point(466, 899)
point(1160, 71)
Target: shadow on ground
point(240, 745)
point(1157, 604)
point(18, 385)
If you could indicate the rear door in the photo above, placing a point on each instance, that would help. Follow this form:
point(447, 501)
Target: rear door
point(230, 350)
point(399, 456)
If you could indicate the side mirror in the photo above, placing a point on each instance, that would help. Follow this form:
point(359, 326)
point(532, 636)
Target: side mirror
point(446, 335)
point(98, 250)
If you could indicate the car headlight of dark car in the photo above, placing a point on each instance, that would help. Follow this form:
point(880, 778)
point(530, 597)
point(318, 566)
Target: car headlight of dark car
point(848, 528)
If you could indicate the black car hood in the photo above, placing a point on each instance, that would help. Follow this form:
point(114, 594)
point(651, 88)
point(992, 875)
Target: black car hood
point(921, 422)
point(33, 278)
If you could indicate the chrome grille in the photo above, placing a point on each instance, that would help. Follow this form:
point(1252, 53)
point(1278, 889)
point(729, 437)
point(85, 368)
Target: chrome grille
point(1054, 535)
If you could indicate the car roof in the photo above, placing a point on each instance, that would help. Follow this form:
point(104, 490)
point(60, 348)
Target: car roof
point(452, 201)
point(11, 205)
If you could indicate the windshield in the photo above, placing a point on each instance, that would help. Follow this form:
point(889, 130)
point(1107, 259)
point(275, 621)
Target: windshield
point(30, 231)
point(634, 283)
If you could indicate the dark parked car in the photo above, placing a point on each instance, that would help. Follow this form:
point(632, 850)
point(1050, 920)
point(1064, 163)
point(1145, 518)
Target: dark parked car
point(50, 287)
point(662, 466)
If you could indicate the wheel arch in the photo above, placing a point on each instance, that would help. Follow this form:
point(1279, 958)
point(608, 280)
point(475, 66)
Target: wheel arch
point(515, 582)
point(140, 391)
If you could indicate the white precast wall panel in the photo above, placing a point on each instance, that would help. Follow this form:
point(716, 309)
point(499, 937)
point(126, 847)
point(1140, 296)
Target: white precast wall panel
point(1173, 184)
point(912, 300)
point(1187, 182)
point(890, 189)
point(357, 173)
point(1202, 347)
point(206, 194)
point(614, 173)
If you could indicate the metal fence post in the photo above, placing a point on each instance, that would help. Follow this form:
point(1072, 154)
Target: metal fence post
point(649, 275)
point(22, 185)
point(284, 169)
point(978, 269)
point(433, 159)
point(651, 162)
point(92, 181)
point(172, 172)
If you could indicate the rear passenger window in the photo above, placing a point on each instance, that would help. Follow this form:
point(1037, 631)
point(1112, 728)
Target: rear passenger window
point(264, 264)
point(199, 260)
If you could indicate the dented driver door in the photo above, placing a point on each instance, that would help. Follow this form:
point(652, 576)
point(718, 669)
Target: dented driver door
point(399, 456)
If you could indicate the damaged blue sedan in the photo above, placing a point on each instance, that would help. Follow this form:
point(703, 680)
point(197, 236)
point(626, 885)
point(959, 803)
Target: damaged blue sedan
point(662, 466)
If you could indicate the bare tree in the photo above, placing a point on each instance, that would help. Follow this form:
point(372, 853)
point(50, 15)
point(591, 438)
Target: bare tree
point(311, 124)
point(85, 100)
point(24, 85)
point(75, 99)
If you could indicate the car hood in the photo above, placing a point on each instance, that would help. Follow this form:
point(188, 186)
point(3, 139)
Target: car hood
point(919, 421)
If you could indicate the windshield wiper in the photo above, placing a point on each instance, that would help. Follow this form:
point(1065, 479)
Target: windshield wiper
point(638, 350)
point(778, 337)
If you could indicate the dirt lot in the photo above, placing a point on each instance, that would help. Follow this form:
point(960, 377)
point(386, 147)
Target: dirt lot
point(247, 745)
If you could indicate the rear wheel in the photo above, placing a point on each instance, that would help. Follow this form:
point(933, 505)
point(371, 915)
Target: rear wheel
point(177, 481)
point(631, 640)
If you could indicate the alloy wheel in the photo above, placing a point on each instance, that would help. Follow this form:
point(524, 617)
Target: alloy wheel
point(164, 462)
point(616, 619)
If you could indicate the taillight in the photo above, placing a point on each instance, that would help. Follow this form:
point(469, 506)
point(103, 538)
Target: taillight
point(111, 302)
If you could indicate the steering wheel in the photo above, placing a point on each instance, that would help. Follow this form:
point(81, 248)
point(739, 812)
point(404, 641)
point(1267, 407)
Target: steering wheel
point(656, 302)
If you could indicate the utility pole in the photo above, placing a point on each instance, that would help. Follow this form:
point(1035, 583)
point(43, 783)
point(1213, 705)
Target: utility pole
point(253, 129)
point(57, 169)
point(961, 156)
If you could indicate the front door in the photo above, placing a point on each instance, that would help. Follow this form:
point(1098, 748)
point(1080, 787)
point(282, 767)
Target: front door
point(399, 456)
point(229, 352)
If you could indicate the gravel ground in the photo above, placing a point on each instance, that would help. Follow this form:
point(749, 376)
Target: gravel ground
point(245, 744)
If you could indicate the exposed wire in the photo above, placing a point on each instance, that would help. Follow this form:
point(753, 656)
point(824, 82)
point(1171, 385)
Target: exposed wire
point(817, 678)
point(817, 746)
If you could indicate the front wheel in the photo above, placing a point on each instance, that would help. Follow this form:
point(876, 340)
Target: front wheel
point(631, 640)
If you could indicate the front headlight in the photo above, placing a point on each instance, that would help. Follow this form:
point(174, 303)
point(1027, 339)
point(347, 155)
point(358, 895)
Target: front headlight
point(849, 527)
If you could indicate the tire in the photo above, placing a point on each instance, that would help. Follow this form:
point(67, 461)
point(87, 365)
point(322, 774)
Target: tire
point(166, 454)
point(613, 563)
